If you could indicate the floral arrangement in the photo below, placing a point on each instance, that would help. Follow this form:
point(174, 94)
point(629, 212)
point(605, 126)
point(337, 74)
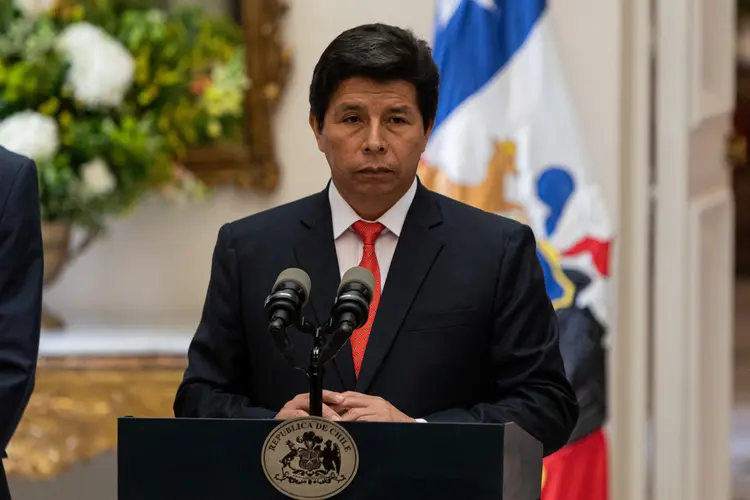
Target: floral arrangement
point(108, 96)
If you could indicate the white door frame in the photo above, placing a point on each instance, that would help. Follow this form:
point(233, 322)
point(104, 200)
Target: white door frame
point(693, 286)
point(630, 345)
point(672, 357)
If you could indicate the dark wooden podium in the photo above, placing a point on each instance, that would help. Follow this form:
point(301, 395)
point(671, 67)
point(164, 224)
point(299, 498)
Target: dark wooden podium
point(221, 459)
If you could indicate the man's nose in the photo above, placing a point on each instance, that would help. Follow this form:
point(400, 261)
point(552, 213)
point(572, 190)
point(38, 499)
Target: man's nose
point(375, 142)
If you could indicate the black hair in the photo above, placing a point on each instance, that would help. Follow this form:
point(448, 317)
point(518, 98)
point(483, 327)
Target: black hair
point(382, 53)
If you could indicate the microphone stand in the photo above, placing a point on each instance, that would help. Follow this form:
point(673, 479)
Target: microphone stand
point(320, 354)
point(315, 373)
point(283, 308)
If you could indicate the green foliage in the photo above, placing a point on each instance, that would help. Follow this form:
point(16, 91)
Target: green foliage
point(187, 90)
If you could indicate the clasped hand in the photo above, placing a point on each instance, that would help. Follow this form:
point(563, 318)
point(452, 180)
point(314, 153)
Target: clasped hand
point(345, 406)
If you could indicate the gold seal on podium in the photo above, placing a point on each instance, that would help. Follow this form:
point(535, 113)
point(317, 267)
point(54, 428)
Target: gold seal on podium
point(310, 458)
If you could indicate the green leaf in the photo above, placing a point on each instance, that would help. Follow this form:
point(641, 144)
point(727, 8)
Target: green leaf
point(188, 90)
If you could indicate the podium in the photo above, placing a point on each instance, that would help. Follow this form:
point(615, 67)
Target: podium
point(311, 458)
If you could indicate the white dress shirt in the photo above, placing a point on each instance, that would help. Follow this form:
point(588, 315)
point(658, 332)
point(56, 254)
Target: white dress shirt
point(349, 245)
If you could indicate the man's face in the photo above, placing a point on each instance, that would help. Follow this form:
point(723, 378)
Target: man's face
point(373, 137)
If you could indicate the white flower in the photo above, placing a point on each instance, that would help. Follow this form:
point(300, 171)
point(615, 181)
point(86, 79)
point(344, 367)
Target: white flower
point(156, 16)
point(30, 134)
point(97, 177)
point(101, 69)
point(186, 187)
point(34, 8)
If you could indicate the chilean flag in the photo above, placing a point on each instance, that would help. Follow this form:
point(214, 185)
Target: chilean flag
point(507, 140)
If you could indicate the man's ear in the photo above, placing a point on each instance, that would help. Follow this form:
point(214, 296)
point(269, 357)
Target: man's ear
point(315, 126)
point(427, 134)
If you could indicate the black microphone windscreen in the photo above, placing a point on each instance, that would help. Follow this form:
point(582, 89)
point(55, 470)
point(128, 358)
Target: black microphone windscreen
point(297, 276)
point(359, 275)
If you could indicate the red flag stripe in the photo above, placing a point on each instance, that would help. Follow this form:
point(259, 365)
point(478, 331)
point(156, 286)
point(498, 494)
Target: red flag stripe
point(598, 249)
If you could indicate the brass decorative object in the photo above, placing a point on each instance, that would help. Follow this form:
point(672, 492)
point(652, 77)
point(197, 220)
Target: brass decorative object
point(72, 414)
point(57, 255)
point(252, 164)
point(736, 151)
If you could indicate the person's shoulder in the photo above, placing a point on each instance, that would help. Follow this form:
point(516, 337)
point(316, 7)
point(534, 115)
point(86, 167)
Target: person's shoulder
point(483, 224)
point(17, 174)
point(278, 219)
point(11, 164)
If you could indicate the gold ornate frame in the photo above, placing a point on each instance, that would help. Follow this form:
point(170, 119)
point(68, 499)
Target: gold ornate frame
point(253, 164)
point(72, 414)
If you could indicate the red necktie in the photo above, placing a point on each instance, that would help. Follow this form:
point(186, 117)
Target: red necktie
point(369, 232)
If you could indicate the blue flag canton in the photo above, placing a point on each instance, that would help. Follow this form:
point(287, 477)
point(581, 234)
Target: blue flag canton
point(477, 43)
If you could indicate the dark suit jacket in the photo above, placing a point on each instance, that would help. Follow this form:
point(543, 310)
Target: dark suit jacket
point(21, 275)
point(464, 332)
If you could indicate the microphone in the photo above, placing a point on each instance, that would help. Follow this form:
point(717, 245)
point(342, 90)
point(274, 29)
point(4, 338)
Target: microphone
point(351, 308)
point(349, 312)
point(353, 299)
point(289, 294)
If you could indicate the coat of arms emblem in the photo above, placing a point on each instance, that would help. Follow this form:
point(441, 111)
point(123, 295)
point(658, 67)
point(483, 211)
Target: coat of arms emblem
point(310, 458)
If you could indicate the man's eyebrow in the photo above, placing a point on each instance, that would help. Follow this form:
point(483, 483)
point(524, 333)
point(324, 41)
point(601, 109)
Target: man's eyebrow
point(404, 109)
point(350, 107)
point(400, 109)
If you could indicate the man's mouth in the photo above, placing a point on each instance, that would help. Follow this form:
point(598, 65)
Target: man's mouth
point(374, 170)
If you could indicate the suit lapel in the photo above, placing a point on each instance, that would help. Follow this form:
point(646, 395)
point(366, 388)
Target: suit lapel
point(316, 254)
point(415, 253)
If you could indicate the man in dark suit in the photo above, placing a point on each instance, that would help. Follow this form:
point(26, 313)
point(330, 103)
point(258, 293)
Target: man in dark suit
point(460, 329)
point(21, 274)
